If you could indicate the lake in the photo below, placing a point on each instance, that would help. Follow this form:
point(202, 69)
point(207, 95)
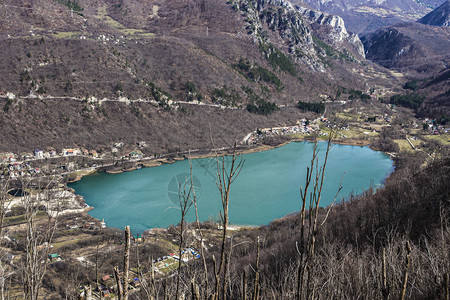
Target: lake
point(266, 189)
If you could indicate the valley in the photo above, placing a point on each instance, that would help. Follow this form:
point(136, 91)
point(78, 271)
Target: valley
point(95, 87)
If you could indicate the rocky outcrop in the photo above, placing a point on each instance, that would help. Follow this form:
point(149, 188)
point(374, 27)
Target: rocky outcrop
point(337, 34)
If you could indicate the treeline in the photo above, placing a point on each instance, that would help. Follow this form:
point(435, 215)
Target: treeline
point(257, 104)
point(256, 73)
point(410, 101)
point(72, 4)
point(352, 93)
point(311, 106)
point(262, 107)
point(278, 59)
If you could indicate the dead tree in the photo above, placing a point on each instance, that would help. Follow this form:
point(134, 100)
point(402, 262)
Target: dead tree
point(186, 197)
point(38, 205)
point(311, 195)
point(225, 177)
point(126, 262)
point(406, 271)
point(3, 197)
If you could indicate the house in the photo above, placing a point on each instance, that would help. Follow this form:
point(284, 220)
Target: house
point(141, 144)
point(105, 293)
point(71, 152)
point(136, 282)
point(106, 278)
point(137, 239)
point(38, 153)
point(136, 154)
point(54, 257)
point(68, 152)
point(93, 153)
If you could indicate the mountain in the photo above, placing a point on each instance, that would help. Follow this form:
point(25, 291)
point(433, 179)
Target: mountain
point(364, 16)
point(438, 17)
point(437, 89)
point(87, 73)
point(414, 48)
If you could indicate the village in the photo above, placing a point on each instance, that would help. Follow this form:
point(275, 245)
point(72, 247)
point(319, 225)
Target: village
point(160, 267)
point(51, 162)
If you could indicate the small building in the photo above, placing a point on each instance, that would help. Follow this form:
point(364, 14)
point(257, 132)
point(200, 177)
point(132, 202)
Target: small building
point(54, 257)
point(38, 153)
point(68, 152)
point(136, 154)
point(137, 239)
point(105, 293)
point(136, 282)
point(93, 153)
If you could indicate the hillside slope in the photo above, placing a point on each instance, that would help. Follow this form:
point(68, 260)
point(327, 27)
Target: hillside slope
point(438, 17)
point(158, 53)
point(410, 47)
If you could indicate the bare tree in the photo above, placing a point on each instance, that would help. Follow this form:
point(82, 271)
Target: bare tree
point(186, 197)
point(39, 234)
point(3, 199)
point(126, 262)
point(225, 177)
point(311, 196)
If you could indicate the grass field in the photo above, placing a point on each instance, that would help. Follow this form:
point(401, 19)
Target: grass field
point(102, 14)
point(168, 265)
point(16, 220)
point(66, 35)
point(443, 138)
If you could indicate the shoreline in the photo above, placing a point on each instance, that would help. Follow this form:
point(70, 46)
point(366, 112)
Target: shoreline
point(257, 148)
point(156, 162)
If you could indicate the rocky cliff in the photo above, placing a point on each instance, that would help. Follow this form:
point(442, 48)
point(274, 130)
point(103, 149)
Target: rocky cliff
point(333, 30)
point(309, 35)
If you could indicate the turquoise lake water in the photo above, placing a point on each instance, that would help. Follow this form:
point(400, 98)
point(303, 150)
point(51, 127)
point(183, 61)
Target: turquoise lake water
point(266, 189)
